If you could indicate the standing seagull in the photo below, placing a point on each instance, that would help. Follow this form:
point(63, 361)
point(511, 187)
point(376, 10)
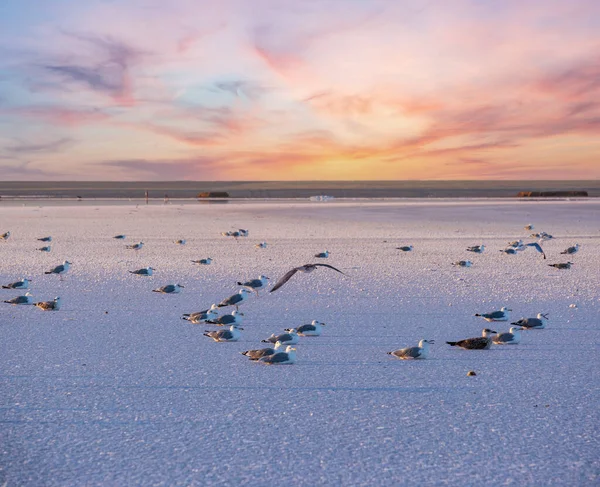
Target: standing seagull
point(562, 265)
point(411, 353)
point(280, 358)
point(478, 249)
point(484, 342)
point(231, 335)
point(571, 250)
point(49, 305)
point(405, 248)
point(5, 236)
point(200, 316)
point(235, 300)
point(511, 338)
point(22, 284)
point(144, 271)
point(26, 299)
point(312, 330)
point(234, 318)
point(322, 255)
point(503, 314)
point(137, 246)
point(45, 239)
point(261, 352)
point(169, 289)
point(537, 247)
point(255, 284)
point(533, 323)
point(60, 269)
point(307, 268)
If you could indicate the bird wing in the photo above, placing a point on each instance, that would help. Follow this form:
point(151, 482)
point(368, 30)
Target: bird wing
point(287, 276)
point(503, 338)
point(330, 266)
point(411, 352)
point(275, 358)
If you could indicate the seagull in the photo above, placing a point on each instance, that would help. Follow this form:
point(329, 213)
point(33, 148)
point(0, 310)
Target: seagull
point(169, 289)
point(236, 299)
point(307, 268)
point(533, 323)
point(463, 263)
point(537, 247)
point(231, 335)
point(261, 352)
point(200, 316)
point(49, 305)
point(280, 358)
point(45, 239)
point(144, 271)
point(312, 330)
point(484, 342)
point(234, 318)
point(22, 284)
point(478, 249)
point(120, 237)
point(47, 248)
point(509, 250)
point(562, 265)
point(511, 338)
point(500, 315)
point(289, 338)
point(571, 250)
point(542, 236)
point(60, 269)
point(405, 248)
point(322, 255)
point(5, 236)
point(255, 284)
point(529, 226)
point(26, 299)
point(181, 241)
point(412, 353)
point(243, 233)
point(206, 261)
point(261, 245)
point(137, 246)
point(515, 243)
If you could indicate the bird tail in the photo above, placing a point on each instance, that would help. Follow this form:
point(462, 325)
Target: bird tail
point(8, 302)
point(240, 283)
point(186, 318)
point(564, 252)
point(245, 352)
point(48, 272)
point(452, 344)
point(131, 272)
point(265, 341)
point(221, 305)
point(477, 314)
point(155, 291)
point(390, 353)
point(206, 333)
point(210, 322)
point(5, 287)
point(288, 329)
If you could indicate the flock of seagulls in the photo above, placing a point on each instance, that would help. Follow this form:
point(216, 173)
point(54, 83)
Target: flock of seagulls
point(281, 350)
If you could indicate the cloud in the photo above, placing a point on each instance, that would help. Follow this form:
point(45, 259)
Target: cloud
point(42, 147)
point(194, 168)
point(58, 115)
point(241, 88)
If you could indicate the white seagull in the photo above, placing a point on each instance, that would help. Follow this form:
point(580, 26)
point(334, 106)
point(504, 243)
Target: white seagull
point(307, 268)
point(503, 314)
point(231, 335)
point(22, 284)
point(255, 284)
point(571, 250)
point(280, 358)
point(236, 299)
point(513, 337)
point(26, 299)
point(60, 269)
point(421, 351)
point(533, 323)
point(314, 329)
point(53, 305)
point(144, 271)
point(169, 289)
point(234, 318)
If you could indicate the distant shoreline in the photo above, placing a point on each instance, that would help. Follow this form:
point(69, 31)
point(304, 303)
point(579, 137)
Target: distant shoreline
point(11, 190)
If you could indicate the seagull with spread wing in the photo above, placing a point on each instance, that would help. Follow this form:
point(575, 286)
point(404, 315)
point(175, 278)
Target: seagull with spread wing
point(306, 268)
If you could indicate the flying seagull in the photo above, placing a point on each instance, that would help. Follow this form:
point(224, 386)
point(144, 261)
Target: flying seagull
point(537, 247)
point(533, 323)
point(169, 289)
point(307, 268)
point(503, 314)
point(26, 299)
point(484, 342)
point(571, 250)
point(411, 353)
point(513, 337)
point(311, 330)
point(280, 358)
point(261, 352)
point(236, 299)
point(53, 305)
point(22, 284)
point(562, 265)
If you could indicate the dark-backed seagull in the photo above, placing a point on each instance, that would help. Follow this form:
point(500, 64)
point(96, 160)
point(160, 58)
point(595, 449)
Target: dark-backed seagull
point(571, 250)
point(22, 284)
point(234, 318)
point(307, 268)
point(261, 245)
point(53, 305)
point(61, 269)
point(4, 237)
point(289, 338)
point(280, 358)
point(236, 299)
point(262, 352)
point(405, 248)
point(231, 335)
point(533, 323)
point(421, 351)
point(47, 248)
point(45, 239)
point(137, 246)
point(169, 289)
point(322, 255)
point(537, 247)
point(181, 241)
point(201, 316)
point(463, 263)
point(512, 337)
point(144, 271)
point(529, 226)
point(25, 299)
point(255, 284)
point(509, 250)
point(484, 342)
point(206, 261)
point(562, 265)
point(478, 249)
point(120, 237)
point(311, 330)
point(503, 314)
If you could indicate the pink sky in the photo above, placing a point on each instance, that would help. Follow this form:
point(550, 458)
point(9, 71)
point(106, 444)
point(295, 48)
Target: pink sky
point(302, 89)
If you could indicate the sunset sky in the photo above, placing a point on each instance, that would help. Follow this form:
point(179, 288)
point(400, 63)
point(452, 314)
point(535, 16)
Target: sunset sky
point(299, 89)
